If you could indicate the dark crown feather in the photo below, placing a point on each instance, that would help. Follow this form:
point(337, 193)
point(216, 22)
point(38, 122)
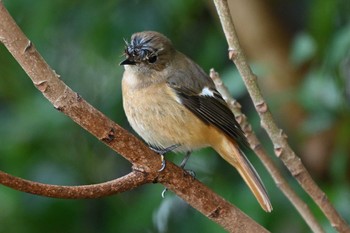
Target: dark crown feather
point(139, 48)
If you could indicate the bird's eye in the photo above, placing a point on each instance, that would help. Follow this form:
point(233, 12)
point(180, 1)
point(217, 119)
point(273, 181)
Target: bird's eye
point(152, 59)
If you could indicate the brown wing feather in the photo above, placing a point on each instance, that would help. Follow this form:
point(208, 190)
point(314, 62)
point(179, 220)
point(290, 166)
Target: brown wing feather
point(212, 110)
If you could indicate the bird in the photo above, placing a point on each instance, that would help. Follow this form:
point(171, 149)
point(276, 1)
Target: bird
point(173, 104)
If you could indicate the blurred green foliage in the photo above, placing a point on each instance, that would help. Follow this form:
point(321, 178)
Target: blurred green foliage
point(83, 42)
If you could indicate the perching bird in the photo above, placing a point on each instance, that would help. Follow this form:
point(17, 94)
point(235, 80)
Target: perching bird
point(172, 103)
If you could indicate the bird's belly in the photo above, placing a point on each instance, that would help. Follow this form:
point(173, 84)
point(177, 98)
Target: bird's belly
point(162, 122)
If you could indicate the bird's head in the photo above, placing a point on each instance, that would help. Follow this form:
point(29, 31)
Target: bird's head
point(149, 49)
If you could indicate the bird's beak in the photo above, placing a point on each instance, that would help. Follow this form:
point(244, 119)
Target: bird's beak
point(127, 61)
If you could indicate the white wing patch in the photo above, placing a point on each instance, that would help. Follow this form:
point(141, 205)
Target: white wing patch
point(207, 92)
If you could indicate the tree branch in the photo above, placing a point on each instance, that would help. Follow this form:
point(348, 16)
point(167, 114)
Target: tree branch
point(143, 159)
point(277, 176)
point(279, 139)
point(130, 181)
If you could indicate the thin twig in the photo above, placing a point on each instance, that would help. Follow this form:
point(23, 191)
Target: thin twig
point(143, 159)
point(125, 183)
point(278, 137)
point(277, 176)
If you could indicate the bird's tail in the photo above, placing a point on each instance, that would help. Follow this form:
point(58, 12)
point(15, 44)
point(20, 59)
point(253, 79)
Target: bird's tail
point(231, 153)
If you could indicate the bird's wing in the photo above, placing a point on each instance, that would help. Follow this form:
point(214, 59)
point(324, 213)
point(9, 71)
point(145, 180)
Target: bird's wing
point(206, 102)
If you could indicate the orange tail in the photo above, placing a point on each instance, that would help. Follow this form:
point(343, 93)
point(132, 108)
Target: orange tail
point(231, 153)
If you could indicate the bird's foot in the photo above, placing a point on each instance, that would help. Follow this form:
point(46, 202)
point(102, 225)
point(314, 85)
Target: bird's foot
point(182, 165)
point(162, 152)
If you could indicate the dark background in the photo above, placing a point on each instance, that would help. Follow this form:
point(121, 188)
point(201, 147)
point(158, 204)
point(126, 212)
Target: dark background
point(83, 42)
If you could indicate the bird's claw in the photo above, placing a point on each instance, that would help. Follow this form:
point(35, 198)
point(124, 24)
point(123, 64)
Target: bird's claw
point(191, 173)
point(163, 163)
point(163, 192)
point(162, 152)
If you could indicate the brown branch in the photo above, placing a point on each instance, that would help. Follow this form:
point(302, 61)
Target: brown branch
point(130, 181)
point(277, 176)
point(143, 159)
point(279, 139)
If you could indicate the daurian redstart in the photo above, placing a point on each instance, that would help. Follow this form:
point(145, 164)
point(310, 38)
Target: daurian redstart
point(169, 100)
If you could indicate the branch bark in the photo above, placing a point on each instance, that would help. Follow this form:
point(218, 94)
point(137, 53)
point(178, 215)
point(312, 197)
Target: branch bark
point(278, 138)
point(144, 161)
point(130, 181)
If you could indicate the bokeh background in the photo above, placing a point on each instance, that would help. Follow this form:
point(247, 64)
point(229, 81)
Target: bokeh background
point(299, 49)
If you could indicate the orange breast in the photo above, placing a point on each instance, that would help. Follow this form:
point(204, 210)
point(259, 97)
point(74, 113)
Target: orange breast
point(157, 116)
